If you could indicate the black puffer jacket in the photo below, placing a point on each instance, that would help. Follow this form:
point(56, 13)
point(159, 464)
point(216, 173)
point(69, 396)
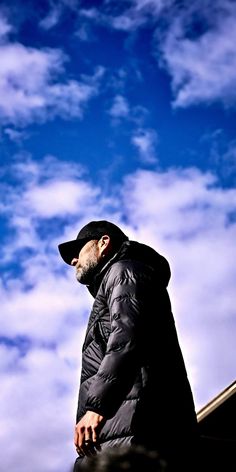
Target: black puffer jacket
point(133, 372)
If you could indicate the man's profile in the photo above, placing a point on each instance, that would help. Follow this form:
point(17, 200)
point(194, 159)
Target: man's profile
point(134, 387)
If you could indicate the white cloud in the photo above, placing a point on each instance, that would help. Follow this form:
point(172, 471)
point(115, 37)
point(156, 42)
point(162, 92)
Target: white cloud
point(56, 10)
point(128, 22)
point(65, 197)
point(32, 86)
point(52, 18)
point(184, 214)
point(194, 43)
point(15, 135)
point(41, 193)
point(29, 172)
point(85, 33)
point(5, 27)
point(133, 16)
point(145, 141)
point(31, 411)
point(120, 107)
point(202, 68)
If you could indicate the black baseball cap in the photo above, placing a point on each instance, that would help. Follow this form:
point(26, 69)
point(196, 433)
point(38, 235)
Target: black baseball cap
point(93, 230)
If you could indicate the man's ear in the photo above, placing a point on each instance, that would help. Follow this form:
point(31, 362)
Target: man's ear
point(104, 244)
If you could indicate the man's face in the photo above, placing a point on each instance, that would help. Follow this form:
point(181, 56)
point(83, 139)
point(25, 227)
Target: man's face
point(87, 261)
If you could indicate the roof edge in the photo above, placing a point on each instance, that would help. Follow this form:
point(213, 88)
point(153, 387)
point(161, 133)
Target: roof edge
point(217, 401)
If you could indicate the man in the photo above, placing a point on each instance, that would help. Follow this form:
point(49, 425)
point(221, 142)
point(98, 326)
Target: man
point(134, 387)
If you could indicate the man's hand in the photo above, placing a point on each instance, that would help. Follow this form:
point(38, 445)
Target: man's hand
point(87, 432)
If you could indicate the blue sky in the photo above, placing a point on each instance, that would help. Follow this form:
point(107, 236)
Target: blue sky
point(123, 111)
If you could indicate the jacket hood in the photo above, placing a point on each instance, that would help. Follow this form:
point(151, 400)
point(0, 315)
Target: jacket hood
point(132, 250)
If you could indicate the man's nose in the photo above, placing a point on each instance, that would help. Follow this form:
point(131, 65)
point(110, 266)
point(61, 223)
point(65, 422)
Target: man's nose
point(74, 261)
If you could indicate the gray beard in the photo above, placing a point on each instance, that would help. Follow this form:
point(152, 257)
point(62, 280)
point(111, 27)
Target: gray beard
point(86, 275)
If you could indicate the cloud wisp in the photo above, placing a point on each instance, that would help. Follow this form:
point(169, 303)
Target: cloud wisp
point(145, 141)
point(120, 108)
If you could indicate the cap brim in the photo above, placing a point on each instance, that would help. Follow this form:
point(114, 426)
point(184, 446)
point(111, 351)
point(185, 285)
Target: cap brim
point(71, 249)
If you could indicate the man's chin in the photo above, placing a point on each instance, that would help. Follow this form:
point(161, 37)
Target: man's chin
point(81, 279)
point(86, 275)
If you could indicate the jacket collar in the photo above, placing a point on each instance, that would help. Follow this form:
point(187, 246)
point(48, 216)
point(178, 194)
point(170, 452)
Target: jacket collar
point(95, 284)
